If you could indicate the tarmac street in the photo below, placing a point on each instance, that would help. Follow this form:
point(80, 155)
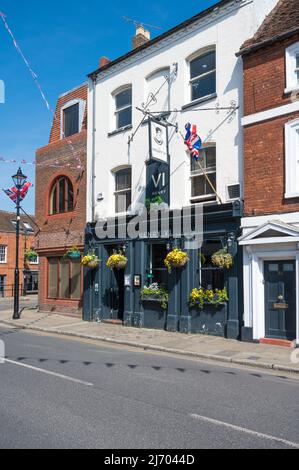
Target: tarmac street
point(58, 392)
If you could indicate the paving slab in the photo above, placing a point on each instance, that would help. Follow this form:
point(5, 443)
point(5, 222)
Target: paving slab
point(200, 346)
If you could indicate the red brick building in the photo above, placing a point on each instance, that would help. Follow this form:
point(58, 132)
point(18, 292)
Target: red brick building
point(271, 168)
point(61, 205)
point(28, 268)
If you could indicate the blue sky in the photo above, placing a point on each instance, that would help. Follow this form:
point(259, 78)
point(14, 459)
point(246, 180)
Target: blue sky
point(63, 41)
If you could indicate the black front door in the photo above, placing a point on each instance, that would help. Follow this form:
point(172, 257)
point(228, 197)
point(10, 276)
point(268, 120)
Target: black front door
point(280, 299)
point(114, 293)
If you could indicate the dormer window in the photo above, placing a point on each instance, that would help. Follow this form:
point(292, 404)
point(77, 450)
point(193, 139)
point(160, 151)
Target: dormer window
point(72, 114)
point(71, 120)
point(292, 68)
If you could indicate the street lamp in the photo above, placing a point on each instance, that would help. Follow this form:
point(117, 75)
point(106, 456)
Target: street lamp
point(19, 180)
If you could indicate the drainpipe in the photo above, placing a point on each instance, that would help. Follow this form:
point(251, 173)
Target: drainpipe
point(93, 163)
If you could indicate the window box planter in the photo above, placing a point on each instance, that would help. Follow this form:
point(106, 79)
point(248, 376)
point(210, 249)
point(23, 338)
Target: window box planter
point(73, 253)
point(210, 320)
point(155, 316)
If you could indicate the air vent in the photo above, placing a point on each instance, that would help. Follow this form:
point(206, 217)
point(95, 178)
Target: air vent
point(234, 191)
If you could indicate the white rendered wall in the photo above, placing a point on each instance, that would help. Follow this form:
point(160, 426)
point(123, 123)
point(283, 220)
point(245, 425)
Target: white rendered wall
point(226, 29)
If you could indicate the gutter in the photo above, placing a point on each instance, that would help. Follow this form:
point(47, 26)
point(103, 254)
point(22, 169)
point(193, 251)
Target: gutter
point(267, 42)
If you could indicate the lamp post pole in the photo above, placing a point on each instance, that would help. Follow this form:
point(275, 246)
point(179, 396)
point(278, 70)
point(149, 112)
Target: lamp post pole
point(16, 315)
point(19, 180)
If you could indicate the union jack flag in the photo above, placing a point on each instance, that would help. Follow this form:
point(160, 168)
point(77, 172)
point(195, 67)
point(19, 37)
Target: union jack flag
point(192, 140)
point(13, 192)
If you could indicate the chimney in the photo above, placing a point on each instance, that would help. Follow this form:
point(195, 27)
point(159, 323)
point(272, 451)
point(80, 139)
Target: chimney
point(103, 61)
point(141, 37)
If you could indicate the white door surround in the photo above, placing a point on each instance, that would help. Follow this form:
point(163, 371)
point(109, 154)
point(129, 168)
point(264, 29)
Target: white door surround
point(282, 245)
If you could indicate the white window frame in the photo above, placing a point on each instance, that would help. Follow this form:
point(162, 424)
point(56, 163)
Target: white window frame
point(193, 57)
point(208, 171)
point(69, 104)
point(292, 53)
point(5, 254)
point(292, 159)
point(121, 191)
point(118, 110)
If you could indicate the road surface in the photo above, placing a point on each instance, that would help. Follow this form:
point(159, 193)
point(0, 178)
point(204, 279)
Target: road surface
point(61, 393)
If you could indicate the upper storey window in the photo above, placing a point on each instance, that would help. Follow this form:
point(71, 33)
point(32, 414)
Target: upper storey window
point(72, 115)
point(62, 196)
point(71, 120)
point(203, 75)
point(123, 108)
point(292, 67)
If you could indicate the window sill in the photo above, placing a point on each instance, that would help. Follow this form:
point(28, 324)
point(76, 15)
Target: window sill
point(291, 195)
point(199, 101)
point(120, 131)
point(293, 89)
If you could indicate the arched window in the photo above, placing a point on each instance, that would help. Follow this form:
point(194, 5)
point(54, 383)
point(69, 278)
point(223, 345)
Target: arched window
point(62, 196)
point(203, 75)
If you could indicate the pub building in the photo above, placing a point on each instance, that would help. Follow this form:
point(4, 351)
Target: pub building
point(139, 105)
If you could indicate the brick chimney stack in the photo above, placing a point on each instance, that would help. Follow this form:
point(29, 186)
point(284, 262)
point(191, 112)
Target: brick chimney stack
point(141, 37)
point(103, 61)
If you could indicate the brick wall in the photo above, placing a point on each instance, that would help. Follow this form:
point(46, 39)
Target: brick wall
point(264, 142)
point(61, 231)
point(265, 77)
point(8, 269)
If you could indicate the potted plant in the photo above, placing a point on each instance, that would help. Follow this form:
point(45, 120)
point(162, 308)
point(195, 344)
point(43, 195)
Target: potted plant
point(30, 255)
point(176, 259)
point(223, 259)
point(90, 260)
point(117, 261)
point(200, 297)
point(208, 311)
point(152, 203)
point(73, 253)
point(155, 293)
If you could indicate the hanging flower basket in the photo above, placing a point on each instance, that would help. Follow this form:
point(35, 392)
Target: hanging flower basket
point(31, 255)
point(73, 253)
point(176, 259)
point(90, 261)
point(222, 259)
point(117, 261)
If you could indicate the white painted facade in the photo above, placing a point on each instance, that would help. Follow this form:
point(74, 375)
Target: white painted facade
point(225, 29)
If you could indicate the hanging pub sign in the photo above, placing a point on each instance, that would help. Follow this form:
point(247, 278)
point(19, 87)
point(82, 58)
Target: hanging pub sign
point(157, 167)
point(158, 140)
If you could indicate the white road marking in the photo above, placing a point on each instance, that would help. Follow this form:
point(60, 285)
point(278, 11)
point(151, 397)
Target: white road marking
point(245, 430)
point(54, 374)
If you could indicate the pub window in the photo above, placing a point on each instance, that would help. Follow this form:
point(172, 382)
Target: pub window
point(123, 190)
point(62, 196)
point(64, 279)
point(157, 271)
point(71, 120)
point(201, 189)
point(211, 277)
point(123, 108)
point(203, 75)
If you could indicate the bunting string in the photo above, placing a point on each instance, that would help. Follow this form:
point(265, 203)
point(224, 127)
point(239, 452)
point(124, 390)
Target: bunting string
point(42, 93)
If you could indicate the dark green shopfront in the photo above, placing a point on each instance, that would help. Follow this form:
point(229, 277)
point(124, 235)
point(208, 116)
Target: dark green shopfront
point(117, 294)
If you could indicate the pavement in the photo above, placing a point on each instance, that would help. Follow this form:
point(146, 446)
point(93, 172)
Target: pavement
point(65, 393)
point(198, 346)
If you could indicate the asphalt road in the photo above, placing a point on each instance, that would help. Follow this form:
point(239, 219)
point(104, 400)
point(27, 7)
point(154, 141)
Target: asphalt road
point(60, 393)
